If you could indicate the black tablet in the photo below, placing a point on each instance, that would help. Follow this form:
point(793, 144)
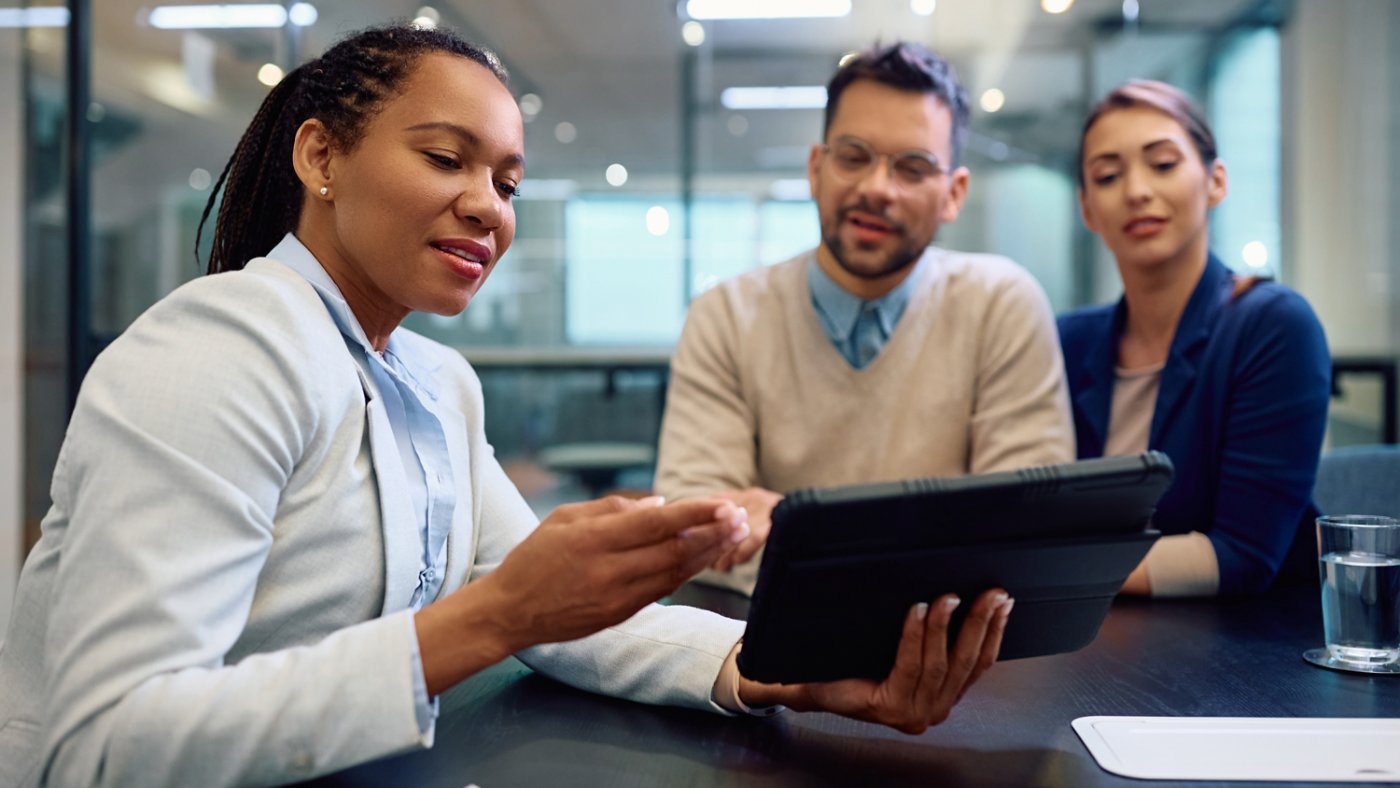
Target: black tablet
point(843, 565)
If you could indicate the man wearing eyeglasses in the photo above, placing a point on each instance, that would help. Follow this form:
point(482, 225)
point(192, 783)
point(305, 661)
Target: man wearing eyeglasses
point(876, 356)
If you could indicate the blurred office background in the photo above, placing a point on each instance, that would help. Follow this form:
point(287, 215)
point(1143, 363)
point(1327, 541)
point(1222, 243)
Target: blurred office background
point(666, 148)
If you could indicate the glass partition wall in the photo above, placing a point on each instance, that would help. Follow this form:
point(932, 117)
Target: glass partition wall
point(649, 179)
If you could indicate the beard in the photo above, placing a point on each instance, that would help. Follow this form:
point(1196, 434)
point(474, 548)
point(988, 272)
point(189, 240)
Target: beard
point(902, 256)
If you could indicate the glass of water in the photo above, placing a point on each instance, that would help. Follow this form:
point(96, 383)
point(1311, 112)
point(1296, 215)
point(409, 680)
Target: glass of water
point(1358, 558)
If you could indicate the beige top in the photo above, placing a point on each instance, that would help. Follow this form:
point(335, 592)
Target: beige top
point(1177, 565)
point(971, 381)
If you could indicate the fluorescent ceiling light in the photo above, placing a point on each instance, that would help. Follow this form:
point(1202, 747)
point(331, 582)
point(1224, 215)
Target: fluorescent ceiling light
point(34, 17)
point(199, 17)
point(790, 189)
point(795, 97)
point(766, 9)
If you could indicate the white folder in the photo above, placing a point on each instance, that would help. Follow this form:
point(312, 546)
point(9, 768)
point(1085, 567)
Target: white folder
point(1361, 750)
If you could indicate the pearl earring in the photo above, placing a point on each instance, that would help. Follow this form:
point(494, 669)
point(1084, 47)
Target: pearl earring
point(325, 190)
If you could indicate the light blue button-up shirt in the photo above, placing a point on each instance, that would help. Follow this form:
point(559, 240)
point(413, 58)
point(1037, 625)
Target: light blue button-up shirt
point(838, 310)
point(412, 409)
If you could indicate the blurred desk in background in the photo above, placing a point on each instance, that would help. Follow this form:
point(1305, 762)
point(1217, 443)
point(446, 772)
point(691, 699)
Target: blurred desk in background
point(1218, 658)
point(596, 436)
point(605, 360)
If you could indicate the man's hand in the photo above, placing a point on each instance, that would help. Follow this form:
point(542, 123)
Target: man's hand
point(927, 679)
point(759, 503)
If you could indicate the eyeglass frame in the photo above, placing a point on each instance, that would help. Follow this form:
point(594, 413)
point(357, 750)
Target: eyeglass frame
point(892, 161)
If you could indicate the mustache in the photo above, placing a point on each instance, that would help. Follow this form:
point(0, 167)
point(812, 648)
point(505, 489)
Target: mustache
point(865, 207)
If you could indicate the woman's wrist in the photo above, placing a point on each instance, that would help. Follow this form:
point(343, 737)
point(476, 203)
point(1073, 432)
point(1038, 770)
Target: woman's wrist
point(462, 635)
point(754, 694)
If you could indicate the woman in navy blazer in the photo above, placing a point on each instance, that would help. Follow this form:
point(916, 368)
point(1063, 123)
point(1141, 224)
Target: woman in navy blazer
point(1228, 375)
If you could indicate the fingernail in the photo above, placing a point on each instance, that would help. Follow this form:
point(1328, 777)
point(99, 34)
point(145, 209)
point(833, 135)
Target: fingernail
point(1007, 605)
point(999, 597)
point(652, 500)
point(740, 532)
point(951, 603)
point(741, 516)
point(725, 512)
point(921, 611)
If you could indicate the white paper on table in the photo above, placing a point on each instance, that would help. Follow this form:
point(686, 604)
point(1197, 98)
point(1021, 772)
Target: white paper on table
point(1304, 749)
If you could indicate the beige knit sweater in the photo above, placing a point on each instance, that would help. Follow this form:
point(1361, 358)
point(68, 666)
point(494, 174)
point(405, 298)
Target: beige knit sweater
point(971, 381)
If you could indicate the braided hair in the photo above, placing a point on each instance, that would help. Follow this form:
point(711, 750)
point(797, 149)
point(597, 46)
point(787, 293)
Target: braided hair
point(343, 89)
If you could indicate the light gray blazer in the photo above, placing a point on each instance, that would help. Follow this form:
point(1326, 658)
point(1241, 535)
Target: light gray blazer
point(219, 596)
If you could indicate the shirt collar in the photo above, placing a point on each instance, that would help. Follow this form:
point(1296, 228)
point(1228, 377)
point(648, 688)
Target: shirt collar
point(291, 252)
point(841, 309)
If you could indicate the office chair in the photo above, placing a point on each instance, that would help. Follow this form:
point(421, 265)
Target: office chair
point(1359, 480)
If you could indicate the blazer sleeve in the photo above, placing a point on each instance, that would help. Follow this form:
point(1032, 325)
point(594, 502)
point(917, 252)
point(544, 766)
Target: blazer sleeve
point(664, 655)
point(1021, 416)
point(709, 431)
point(1274, 423)
point(186, 432)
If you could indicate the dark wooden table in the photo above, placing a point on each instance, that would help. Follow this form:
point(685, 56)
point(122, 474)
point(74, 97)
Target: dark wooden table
point(1225, 658)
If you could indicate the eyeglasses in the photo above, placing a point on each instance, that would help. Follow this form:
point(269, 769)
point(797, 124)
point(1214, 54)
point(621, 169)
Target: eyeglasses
point(852, 159)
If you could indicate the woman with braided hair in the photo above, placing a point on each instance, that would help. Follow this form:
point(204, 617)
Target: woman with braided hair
point(278, 532)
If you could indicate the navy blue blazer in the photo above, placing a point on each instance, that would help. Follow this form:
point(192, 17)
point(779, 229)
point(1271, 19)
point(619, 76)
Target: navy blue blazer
point(1241, 411)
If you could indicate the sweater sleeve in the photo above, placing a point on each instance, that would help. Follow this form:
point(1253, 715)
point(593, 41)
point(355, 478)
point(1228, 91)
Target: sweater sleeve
point(1021, 415)
point(1273, 427)
point(709, 432)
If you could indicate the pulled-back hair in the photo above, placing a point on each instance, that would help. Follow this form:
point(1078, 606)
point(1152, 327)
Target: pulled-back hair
point(910, 66)
point(1161, 97)
point(344, 89)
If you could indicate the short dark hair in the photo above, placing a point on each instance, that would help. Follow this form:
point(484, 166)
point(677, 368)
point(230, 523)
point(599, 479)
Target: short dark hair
point(1164, 98)
point(344, 89)
point(906, 65)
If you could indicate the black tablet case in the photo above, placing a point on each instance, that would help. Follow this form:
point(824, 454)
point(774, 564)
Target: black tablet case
point(843, 565)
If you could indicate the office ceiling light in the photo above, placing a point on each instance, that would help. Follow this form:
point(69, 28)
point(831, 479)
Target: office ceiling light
point(766, 9)
point(1055, 6)
point(1255, 254)
point(33, 17)
point(302, 14)
point(270, 74)
point(794, 97)
point(923, 7)
point(616, 174)
point(658, 221)
point(993, 100)
point(204, 17)
point(693, 33)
